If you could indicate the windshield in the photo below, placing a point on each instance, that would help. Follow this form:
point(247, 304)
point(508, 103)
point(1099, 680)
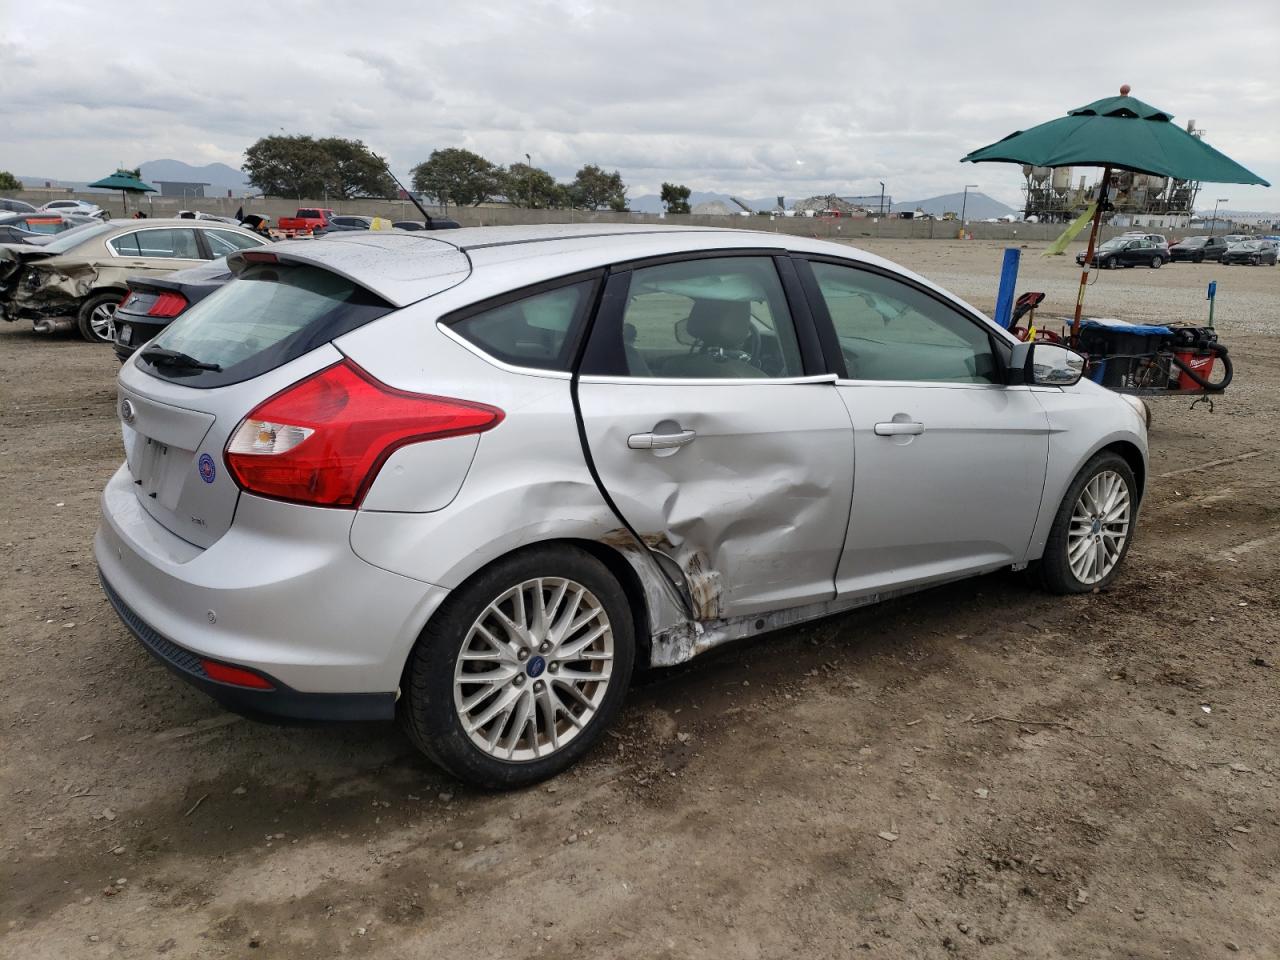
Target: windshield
point(1247, 245)
point(75, 236)
point(268, 315)
point(1193, 242)
point(1117, 242)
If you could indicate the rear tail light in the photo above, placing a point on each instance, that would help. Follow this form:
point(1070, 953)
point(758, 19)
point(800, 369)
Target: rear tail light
point(323, 440)
point(237, 676)
point(168, 304)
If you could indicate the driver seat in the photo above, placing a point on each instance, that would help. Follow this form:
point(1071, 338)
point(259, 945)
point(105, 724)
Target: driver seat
point(717, 326)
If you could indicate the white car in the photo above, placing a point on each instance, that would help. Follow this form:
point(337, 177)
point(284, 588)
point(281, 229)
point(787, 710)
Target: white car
point(471, 478)
point(82, 207)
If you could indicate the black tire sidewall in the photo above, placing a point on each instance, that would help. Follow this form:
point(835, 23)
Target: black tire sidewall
point(85, 315)
point(1055, 569)
point(427, 709)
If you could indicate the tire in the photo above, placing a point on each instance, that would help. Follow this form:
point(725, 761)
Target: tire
point(436, 693)
point(96, 317)
point(1157, 263)
point(1198, 258)
point(1057, 572)
point(1107, 264)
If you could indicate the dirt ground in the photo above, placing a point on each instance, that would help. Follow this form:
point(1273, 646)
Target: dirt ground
point(978, 771)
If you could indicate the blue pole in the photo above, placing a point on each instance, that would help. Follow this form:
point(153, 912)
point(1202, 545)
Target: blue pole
point(1008, 284)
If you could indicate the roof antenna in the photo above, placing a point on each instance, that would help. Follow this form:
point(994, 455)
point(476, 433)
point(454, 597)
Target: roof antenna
point(414, 200)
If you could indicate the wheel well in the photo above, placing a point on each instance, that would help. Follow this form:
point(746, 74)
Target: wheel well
point(1133, 457)
point(622, 572)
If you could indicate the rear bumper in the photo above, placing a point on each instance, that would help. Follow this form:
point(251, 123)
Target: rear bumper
point(279, 704)
point(280, 593)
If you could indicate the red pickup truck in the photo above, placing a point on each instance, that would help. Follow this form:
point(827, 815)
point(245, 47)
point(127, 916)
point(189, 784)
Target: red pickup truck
point(306, 221)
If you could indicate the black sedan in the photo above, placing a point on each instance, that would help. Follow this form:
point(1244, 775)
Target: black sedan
point(1253, 252)
point(437, 223)
point(1127, 252)
point(154, 302)
point(1198, 249)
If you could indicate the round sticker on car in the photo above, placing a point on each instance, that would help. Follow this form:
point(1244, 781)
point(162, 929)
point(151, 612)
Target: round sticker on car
point(207, 470)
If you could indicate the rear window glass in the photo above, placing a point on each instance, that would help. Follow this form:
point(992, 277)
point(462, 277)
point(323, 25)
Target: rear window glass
point(533, 331)
point(267, 316)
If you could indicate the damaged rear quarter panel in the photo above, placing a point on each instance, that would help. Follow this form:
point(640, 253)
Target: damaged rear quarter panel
point(56, 286)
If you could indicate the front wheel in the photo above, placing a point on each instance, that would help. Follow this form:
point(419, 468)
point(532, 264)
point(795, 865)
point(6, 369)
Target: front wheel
point(1199, 258)
point(1093, 528)
point(97, 318)
point(522, 669)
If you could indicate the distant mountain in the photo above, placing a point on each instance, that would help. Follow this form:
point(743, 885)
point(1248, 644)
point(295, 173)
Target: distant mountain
point(219, 176)
point(978, 207)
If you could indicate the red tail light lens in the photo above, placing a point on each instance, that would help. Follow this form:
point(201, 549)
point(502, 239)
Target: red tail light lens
point(168, 304)
point(323, 440)
point(224, 673)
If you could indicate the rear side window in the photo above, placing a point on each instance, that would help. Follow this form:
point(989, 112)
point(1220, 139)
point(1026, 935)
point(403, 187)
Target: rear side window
point(224, 242)
point(537, 330)
point(267, 316)
point(177, 244)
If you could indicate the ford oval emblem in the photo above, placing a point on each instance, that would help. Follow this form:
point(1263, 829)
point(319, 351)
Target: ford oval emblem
point(126, 411)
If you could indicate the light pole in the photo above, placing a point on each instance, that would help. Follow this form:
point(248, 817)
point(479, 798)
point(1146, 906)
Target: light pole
point(528, 178)
point(1214, 223)
point(881, 199)
point(965, 202)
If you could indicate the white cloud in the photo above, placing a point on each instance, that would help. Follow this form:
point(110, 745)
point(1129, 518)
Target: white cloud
point(755, 100)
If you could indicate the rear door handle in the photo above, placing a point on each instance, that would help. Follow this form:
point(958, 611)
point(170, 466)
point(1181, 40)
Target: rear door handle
point(659, 441)
point(899, 428)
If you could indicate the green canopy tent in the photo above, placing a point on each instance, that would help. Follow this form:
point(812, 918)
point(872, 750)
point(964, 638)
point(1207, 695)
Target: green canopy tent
point(1116, 133)
point(126, 183)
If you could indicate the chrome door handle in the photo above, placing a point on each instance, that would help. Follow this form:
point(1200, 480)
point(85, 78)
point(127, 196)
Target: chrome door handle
point(659, 441)
point(898, 428)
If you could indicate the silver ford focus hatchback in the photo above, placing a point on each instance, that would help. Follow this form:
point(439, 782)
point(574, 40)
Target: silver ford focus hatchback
point(469, 481)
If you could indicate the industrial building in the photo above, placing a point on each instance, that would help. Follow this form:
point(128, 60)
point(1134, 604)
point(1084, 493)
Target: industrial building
point(1138, 199)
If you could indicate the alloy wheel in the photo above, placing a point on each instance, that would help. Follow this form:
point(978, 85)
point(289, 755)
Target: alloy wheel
point(534, 669)
point(102, 321)
point(1099, 527)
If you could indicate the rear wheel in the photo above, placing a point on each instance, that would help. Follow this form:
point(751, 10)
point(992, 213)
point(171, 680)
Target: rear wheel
point(1157, 263)
point(522, 669)
point(1093, 528)
point(97, 318)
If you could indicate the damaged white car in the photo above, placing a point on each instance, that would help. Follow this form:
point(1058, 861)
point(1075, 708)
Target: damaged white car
point(78, 278)
point(472, 479)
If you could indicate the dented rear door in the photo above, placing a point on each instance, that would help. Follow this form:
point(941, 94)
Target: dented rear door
point(725, 454)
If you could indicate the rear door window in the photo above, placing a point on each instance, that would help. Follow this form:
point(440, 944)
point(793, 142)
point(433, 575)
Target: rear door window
point(268, 315)
point(225, 242)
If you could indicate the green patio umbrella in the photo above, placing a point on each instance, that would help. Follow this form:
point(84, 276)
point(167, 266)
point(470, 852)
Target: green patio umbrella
point(1116, 133)
point(126, 183)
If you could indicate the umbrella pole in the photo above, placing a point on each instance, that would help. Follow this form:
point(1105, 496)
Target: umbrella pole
point(1088, 254)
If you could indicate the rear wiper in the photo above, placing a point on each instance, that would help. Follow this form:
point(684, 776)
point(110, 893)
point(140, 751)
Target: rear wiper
point(163, 357)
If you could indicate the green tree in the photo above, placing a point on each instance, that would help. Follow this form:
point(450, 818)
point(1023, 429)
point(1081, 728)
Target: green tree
point(355, 170)
point(592, 189)
point(527, 186)
point(675, 197)
point(289, 166)
point(457, 176)
point(303, 166)
point(8, 181)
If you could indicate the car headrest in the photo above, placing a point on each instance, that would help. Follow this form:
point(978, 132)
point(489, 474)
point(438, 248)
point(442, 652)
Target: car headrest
point(720, 323)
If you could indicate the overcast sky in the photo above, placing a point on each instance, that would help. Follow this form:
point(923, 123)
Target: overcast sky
point(756, 99)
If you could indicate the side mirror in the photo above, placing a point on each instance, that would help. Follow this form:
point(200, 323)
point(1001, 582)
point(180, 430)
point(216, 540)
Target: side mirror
point(1045, 365)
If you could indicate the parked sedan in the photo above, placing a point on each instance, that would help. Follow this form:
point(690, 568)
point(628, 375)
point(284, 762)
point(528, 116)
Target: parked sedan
point(37, 228)
point(340, 224)
point(9, 205)
point(78, 278)
point(437, 223)
point(1127, 252)
point(472, 478)
point(152, 303)
point(1198, 249)
point(82, 207)
point(1253, 252)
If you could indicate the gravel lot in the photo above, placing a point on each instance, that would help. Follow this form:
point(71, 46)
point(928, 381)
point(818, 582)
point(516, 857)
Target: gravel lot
point(979, 771)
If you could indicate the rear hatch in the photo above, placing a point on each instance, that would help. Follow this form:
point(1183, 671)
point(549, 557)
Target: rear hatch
point(182, 397)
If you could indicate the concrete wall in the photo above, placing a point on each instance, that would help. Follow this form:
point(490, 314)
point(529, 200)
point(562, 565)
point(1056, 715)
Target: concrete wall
point(277, 207)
